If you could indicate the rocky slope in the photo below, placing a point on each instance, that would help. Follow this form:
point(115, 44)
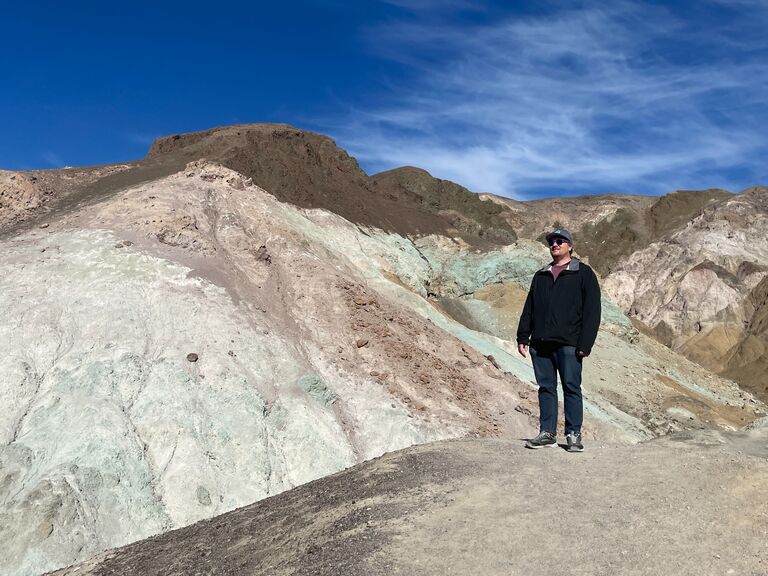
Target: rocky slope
point(460, 207)
point(25, 196)
point(702, 288)
point(693, 504)
point(689, 266)
point(609, 228)
point(195, 345)
point(183, 344)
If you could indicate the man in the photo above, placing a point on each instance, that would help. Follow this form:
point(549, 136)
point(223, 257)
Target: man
point(558, 326)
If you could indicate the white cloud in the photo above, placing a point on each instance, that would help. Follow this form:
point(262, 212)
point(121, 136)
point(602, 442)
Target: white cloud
point(590, 97)
point(139, 138)
point(52, 158)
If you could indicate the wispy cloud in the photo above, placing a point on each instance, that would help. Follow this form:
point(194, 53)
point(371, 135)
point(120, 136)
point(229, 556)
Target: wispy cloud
point(52, 158)
point(627, 98)
point(139, 138)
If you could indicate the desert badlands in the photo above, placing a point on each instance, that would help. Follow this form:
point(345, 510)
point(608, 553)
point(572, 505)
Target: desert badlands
point(244, 355)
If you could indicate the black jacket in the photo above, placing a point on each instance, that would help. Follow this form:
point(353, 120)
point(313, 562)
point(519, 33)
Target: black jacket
point(566, 311)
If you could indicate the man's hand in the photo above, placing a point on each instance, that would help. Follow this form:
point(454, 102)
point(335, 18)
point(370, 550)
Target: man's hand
point(523, 350)
point(581, 354)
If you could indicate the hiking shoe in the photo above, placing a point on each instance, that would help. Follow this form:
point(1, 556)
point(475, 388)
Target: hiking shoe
point(542, 440)
point(573, 441)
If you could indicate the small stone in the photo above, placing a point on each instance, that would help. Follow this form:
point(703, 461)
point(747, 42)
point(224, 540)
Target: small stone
point(192, 357)
point(203, 496)
point(361, 342)
point(44, 225)
point(262, 255)
point(236, 183)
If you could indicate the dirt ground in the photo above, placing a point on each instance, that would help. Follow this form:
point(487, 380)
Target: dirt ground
point(692, 503)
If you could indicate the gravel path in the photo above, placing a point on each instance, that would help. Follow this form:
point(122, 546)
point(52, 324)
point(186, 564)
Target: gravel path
point(694, 503)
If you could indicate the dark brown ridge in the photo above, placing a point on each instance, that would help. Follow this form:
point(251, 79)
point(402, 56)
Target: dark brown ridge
point(297, 166)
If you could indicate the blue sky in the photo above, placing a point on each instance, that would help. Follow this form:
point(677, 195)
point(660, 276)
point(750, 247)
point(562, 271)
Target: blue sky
point(522, 99)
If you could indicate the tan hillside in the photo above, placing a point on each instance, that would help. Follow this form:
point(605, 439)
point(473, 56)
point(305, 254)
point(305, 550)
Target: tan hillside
point(702, 287)
point(609, 228)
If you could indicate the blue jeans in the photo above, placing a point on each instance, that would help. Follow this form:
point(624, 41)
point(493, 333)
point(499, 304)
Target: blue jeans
point(549, 360)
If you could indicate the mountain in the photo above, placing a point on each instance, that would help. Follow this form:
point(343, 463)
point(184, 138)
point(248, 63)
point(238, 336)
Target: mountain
point(192, 344)
point(701, 288)
point(268, 154)
point(460, 207)
point(182, 341)
point(688, 268)
point(609, 228)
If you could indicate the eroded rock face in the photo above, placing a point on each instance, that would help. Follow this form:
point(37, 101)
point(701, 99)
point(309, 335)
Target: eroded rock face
point(699, 288)
point(106, 417)
point(18, 193)
point(689, 265)
point(609, 228)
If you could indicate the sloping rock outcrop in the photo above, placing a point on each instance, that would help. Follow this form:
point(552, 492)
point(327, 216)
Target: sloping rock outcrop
point(24, 196)
point(702, 289)
point(194, 345)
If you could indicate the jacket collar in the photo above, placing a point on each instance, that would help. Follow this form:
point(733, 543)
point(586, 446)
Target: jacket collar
point(573, 265)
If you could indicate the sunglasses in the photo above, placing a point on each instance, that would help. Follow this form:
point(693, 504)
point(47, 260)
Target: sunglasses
point(558, 241)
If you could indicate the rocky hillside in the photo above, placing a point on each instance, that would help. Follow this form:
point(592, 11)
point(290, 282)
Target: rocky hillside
point(456, 204)
point(183, 342)
point(609, 228)
point(688, 266)
point(690, 505)
point(702, 288)
point(193, 344)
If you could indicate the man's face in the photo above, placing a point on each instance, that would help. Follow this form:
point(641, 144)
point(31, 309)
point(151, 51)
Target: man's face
point(559, 246)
